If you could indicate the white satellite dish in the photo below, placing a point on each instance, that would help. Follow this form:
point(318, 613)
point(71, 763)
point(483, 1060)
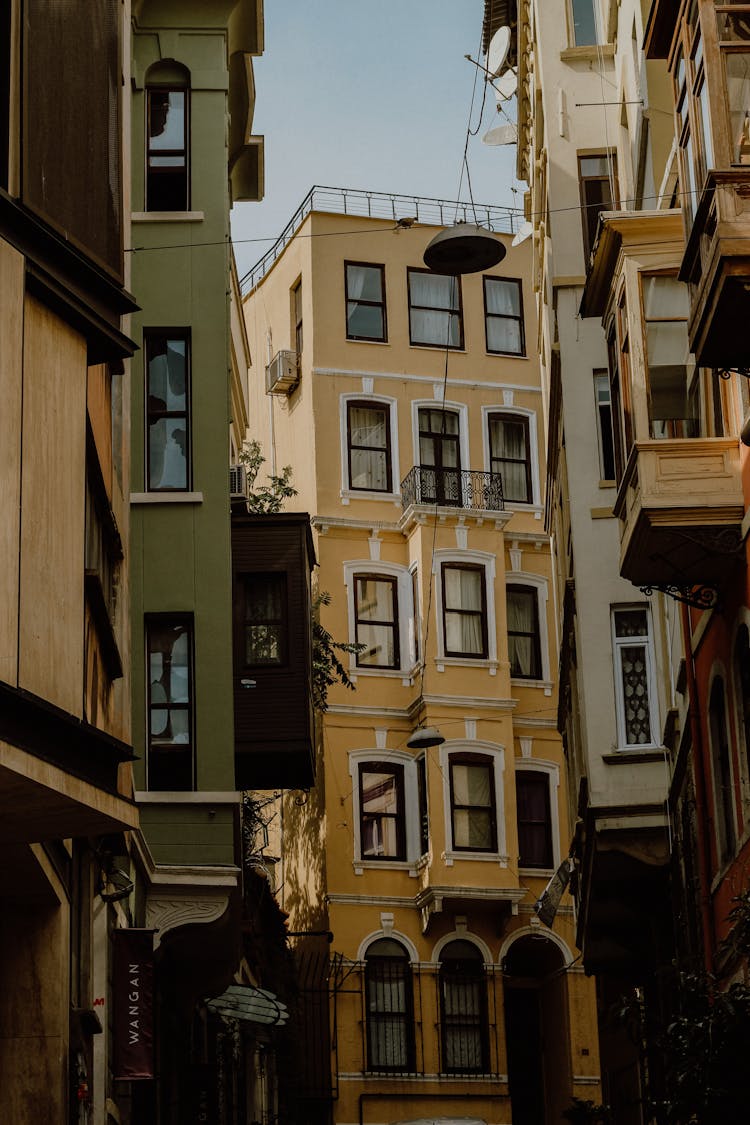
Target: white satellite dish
point(506, 86)
point(525, 231)
point(498, 50)
point(501, 135)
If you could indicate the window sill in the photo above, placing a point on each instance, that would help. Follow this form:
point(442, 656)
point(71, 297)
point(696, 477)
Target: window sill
point(521, 681)
point(444, 662)
point(449, 858)
point(167, 216)
point(389, 673)
point(362, 865)
point(437, 348)
point(589, 53)
point(606, 483)
point(379, 343)
point(537, 872)
point(521, 506)
point(506, 355)
point(186, 797)
point(645, 754)
point(166, 497)
point(348, 494)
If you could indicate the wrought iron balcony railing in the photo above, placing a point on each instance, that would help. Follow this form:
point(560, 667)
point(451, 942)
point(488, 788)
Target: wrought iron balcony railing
point(453, 488)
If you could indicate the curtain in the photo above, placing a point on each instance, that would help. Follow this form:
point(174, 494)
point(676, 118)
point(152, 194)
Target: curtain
point(509, 448)
point(503, 300)
point(388, 1010)
point(368, 428)
point(376, 622)
point(364, 283)
point(463, 610)
point(522, 646)
point(434, 322)
point(472, 789)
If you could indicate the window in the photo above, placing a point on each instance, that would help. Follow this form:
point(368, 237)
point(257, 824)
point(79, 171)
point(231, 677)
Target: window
point(439, 456)
point(390, 1007)
point(265, 625)
point(534, 819)
point(597, 176)
point(616, 402)
point(417, 620)
point(726, 838)
point(472, 796)
point(463, 1009)
point(670, 367)
point(605, 428)
point(510, 455)
point(368, 428)
point(365, 301)
point(169, 647)
point(424, 819)
point(435, 312)
point(167, 129)
point(584, 23)
point(524, 648)
point(742, 692)
point(464, 610)
point(376, 621)
point(503, 316)
point(381, 811)
point(296, 304)
point(168, 410)
point(634, 692)
point(734, 31)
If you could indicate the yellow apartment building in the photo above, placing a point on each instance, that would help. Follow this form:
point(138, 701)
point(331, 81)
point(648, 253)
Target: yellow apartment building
point(409, 406)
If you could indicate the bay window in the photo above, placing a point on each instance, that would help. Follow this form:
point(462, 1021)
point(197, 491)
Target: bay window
point(368, 429)
point(435, 311)
point(376, 620)
point(671, 371)
point(472, 803)
point(382, 827)
point(464, 599)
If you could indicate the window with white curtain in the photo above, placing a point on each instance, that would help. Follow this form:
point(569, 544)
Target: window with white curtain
point(435, 312)
point(376, 620)
point(634, 689)
point(524, 647)
point(464, 610)
point(503, 316)
point(365, 301)
point(390, 1007)
point(510, 454)
point(382, 828)
point(472, 797)
point(368, 435)
point(464, 1028)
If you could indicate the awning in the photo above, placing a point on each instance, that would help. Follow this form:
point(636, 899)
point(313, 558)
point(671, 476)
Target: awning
point(243, 1002)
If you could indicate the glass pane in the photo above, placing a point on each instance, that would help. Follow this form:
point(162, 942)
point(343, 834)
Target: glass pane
point(364, 283)
point(434, 291)
point(634, 670)
point(738, 98)
point(471, 784)
point(503, 297)
point(167, 368)
point(166, 119)
point(375, 600)
point(734, 26)
point(463, 589)
point(168, 453)
point(595, 165)
point(369, 469)
point(365, 320)
point(379, 792)
point(584, 23)
point(503, 335)
point(439, 329)
point(264, 597)
point(472, 828)
point(665, 298)
point(379, 836)
point(263, 644)
point(631, 623)
point(463, 634)
point(368, 426)
point(438, 421)
point(508, 438)
point(379, 642)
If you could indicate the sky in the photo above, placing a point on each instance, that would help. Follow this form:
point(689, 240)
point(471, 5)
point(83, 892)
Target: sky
point(374, 96)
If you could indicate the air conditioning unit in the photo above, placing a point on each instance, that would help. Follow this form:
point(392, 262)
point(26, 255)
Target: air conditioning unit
point(282, 373)
point(237, 481)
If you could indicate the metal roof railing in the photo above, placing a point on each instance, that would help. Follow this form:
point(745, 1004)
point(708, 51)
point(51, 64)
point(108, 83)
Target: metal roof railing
point(383, 205)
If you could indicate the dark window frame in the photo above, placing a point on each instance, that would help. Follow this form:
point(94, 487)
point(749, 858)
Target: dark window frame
point(482, 571)
point(725, 826)
point(589, 228)
point(473, 759)
point(442, 473)
point(455, 310)
point(504, 316)
point(535, 634)
point(605, 425)
point(741, 684)
point(523, 419)
point(150, 334)
point(539, 779)
point(165, 173)
point(423, 804)
point(396, 770)
point(281, 622)
point(381, 304)
point(383, 970)
point(465, 1021)
point(370, 404)
point(295, 294)
point(394, 624)
point(162, 620)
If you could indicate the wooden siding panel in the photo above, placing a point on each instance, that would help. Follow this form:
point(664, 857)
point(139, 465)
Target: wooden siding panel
point(11, 366)
point(53, 509)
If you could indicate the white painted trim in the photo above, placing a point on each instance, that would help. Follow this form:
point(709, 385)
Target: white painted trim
point(166, 497)
point(167, 217)
point(496, 752)
point(404, 377)
point(534, 931)
point(523, 411)
point(624, 642)
point(552, 770)
point(478, 558)
point(396, 935)
point(391, 403)
point(411, 801)
point(404, 612)
point(463, 935)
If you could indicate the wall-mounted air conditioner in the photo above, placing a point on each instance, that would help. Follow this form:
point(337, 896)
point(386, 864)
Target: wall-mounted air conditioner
point(282, 373)
point(237, 481)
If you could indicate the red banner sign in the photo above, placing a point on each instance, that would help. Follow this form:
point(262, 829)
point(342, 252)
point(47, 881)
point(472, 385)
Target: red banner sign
point(133, 996)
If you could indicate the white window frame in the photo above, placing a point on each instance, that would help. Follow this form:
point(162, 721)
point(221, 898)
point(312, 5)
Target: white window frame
point(540, 585)
point(523, 412)
point(625, 642)
point(552, 770)
point(462, 558)
point(358, 758)
point(404, 613)
point(601, 374)
point(347, 492)
point(496, 752)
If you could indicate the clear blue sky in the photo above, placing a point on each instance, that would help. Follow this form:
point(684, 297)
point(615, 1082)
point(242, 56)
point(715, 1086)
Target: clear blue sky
point(373, 96)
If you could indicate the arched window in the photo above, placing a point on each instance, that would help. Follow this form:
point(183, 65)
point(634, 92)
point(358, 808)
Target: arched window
point(390, 1008)
point(722, 774)
point(167, 138)
point(742, 690)
point(463, 1009)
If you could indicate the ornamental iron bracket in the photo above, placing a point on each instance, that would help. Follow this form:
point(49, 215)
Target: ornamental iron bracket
point(700, 597)
point(728, 372)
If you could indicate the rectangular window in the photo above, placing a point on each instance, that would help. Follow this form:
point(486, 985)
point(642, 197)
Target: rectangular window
point(510, 455)
point(365, 301)
point(669, 364)
point(296, 309)
point(584, 23)
point(597, 177)
point(167, 149)
point(424, 820)
point(503, 316)
point(169, 653)
point(472, 793)
point(368, 428)
point(435, 311)
point(633, 661)
point(605, 429)
point(265, 618)
point(381, 811)
point(737, 64)
point(534, 819)
point(168, 410)
point(376, 621)
point(439, 456)
point(524, 648)
point(464, 610)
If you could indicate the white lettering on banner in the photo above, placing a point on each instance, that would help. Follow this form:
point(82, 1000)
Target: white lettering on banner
point(134, 1033)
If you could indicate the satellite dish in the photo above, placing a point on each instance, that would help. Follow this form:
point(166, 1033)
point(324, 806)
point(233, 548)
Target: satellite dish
point(506, 86)
point(501, 135)
point(498, 51)
point(525, 231)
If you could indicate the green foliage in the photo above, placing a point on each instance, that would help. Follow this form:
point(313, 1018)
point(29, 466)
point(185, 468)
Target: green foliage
point(584, 1112)
point(268, 498)
point(327, 668)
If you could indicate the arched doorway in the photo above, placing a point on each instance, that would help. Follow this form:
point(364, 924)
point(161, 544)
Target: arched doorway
point(536, 1030)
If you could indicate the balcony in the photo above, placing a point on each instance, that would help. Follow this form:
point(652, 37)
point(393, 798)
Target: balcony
point(453, 488)
point(680, 505)
point(717, 267)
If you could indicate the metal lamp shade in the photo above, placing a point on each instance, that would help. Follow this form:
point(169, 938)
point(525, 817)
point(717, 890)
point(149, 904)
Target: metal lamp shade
point(423, 737)
point(464, 248)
